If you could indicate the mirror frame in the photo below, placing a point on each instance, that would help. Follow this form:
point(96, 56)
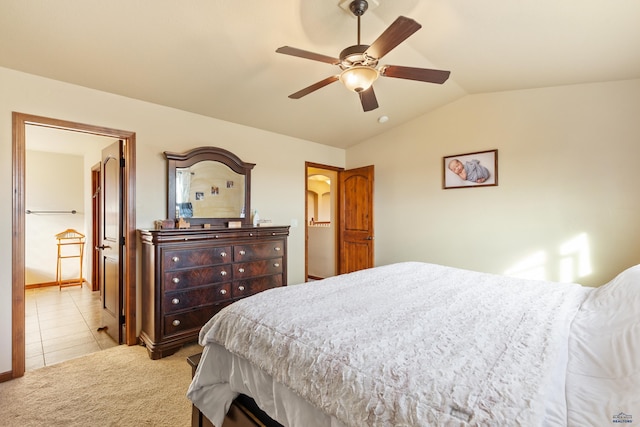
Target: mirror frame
point(191, 157)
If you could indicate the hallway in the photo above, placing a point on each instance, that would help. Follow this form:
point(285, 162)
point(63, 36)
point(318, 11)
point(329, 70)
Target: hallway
point(61, 324)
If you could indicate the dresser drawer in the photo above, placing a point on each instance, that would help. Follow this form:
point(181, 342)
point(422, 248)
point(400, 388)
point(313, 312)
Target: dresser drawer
point(175, 259)
point(249, 252)
point(182, 300)
point(263, 267)
point(194, 277)
point(194, 319)
point(245, 288)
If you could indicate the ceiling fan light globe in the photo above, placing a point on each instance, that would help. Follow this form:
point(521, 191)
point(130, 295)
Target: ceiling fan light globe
point(359, 78)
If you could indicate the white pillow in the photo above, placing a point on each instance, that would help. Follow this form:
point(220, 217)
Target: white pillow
point(620, 292)
point(606, 329)
point(603, 369)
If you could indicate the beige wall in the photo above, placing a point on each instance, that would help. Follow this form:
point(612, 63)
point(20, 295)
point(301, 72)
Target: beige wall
point(567, 203)
point(278, 179)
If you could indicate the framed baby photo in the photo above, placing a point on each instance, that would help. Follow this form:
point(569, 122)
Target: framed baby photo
point(470, 170)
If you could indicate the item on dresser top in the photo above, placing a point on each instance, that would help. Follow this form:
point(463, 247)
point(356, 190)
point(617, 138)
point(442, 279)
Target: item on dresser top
point(189, 275)
point(165, 223)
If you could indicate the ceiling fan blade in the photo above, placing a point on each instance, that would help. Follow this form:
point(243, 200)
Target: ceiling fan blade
point(395, 34)
point(288, 50)
point(368, 99)
point(420, 74)
point(307, 90)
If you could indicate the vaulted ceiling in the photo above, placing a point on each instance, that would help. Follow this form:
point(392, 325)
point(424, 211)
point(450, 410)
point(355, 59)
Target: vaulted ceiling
point(217, 57)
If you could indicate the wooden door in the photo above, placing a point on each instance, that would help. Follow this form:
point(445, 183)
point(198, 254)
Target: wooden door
point(356, 219)
point(111, 241)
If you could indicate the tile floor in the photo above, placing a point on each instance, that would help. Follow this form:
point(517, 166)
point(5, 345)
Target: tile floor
point(61, 324)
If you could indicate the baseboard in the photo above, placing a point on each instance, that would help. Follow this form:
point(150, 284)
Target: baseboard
point(6, 376)
point(47, 284)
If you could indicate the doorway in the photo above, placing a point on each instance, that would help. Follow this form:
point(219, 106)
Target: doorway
point(348, 241)
point(321, 221)
point(20, 123)
point(345, 242)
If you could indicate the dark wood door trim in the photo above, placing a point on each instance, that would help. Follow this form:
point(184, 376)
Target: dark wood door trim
point(20, 121)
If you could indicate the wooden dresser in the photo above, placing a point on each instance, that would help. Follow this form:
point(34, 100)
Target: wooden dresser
point(188, 275)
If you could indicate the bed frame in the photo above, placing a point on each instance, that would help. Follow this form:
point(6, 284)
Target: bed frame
point(244, 412)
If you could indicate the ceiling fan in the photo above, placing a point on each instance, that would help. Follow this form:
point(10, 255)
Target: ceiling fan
point(358, 62)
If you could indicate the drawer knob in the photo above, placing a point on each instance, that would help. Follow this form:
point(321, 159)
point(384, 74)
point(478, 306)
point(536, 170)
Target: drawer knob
point(276, 264)
point(250, 234)
point(223, 254)
point(278, 249)
point(243, 252)
point(176, 322)
point(216, 236)
point(175, 259)
point(223, 291)
point(175, 301)
point(241, 270)
point(223, 273)
point(175, 280)
point(241, 288)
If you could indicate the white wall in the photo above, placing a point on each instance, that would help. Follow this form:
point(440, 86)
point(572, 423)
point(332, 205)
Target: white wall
point(278, 179)
point(322, 255)
point(54, 182)
point(567, 199)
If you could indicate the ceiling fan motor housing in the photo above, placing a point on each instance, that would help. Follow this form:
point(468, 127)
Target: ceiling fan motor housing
point(358, 7)
point(355, 55)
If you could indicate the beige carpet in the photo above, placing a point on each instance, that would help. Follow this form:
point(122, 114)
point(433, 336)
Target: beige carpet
point(120, 386)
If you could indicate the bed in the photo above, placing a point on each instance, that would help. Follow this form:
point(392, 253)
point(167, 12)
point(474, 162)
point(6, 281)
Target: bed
point(417, 344)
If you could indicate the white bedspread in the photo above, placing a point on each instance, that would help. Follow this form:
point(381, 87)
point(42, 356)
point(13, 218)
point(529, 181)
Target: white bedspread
point(409, 344)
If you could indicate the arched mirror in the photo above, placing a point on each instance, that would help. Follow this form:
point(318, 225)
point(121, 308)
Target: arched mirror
point(208, 185)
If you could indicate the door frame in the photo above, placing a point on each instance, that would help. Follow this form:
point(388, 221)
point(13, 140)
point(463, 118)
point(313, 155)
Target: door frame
point(96, 204)
point(20, 121)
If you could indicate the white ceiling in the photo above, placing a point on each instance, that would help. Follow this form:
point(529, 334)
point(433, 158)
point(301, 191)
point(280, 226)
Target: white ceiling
point(217, 57)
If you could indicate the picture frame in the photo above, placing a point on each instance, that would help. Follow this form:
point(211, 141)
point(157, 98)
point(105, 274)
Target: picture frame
point(479, 169)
